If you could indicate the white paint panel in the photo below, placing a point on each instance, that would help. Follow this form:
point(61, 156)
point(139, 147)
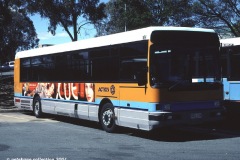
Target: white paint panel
point(133, 119)
point(93, 112)
point(64, 108)
point(82, 111)
point(118, 38)
point(48, 106)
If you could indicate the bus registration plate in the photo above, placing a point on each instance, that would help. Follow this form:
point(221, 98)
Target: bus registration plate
point(196, 115)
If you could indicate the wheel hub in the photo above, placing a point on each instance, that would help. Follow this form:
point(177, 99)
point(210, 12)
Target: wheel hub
point(107, 116)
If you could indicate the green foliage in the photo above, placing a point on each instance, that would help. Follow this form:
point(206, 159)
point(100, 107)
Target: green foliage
point(134, 14)
point(221, 15)
point(16, 30)
point(171, 12)
point(127, 15)
point(67, 12)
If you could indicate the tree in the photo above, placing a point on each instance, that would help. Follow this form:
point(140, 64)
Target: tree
point(66, 13)
point(136, 14)
point(171, 13)
point(125, 15)
point(16, 29)
point(221, 15)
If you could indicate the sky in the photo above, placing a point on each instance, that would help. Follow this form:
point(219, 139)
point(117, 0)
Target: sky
point(61, 36)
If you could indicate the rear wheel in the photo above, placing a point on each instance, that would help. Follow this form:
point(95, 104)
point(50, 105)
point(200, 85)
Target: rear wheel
point(107, 118)
point(37, 107)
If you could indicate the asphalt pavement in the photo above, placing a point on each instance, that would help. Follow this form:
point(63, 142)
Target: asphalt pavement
point(26, 137)
point(9, 109)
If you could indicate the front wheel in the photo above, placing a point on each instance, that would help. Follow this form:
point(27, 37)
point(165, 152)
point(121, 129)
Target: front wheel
point(37, 107)
point(107, 118)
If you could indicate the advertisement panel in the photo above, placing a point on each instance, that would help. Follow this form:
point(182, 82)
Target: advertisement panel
point(64, 91)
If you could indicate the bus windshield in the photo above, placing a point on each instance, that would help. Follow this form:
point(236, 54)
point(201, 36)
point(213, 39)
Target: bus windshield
point(172, 66)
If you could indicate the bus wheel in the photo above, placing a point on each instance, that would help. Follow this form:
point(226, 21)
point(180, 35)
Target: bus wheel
point(37, 107)
point(107, 118)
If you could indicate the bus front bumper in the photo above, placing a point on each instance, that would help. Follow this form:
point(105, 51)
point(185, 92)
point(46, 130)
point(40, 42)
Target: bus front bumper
point(165, 119)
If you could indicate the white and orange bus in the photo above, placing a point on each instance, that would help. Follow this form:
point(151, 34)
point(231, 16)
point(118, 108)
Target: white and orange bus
point(143, 79)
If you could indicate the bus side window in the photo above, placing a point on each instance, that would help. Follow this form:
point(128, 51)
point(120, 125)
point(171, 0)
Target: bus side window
point(126, 71)
point(25, 69)
point(61, 67)
point(133, 58)
point(80, 67)
point(104, 66)
point(235, 66)
point(131, 68)
point(225, 65)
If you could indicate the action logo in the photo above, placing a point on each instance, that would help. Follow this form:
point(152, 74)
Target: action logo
point(112, 89)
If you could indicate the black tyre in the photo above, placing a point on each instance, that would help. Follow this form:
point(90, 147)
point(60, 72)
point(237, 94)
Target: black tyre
point(107, 118)
point(37, 107)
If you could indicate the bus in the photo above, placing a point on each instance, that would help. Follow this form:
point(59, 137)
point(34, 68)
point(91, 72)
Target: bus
point(142, 79)
point(230, 62)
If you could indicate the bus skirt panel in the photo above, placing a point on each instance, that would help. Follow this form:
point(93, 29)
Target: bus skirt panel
point(146, 120)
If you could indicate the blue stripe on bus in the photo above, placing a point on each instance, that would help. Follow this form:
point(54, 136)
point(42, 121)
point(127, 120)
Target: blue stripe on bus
point(18, 94)
point(188, 106)
point(132, 104)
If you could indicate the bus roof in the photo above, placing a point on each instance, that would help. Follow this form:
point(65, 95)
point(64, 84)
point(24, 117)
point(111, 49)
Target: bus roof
point(118, 38)
point(230, 42)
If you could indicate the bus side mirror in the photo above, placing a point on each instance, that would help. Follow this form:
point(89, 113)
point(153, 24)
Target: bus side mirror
point(142, 76)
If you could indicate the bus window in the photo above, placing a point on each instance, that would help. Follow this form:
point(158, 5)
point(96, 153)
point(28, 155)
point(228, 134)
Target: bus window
point(104, 66)
point(25, 69)
point(235, 66)
point(177, 65)
point(133, 60)
point(80, 66)
point(230, 62)
point(130, 68)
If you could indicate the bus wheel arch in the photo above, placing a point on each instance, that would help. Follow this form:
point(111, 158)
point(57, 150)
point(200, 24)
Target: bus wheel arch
point(37, 106)
point(102, 103)
point(106, 116)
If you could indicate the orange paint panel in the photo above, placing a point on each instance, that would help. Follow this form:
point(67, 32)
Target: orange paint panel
point(110, 90)
point(133, 92)
point(17, 84)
